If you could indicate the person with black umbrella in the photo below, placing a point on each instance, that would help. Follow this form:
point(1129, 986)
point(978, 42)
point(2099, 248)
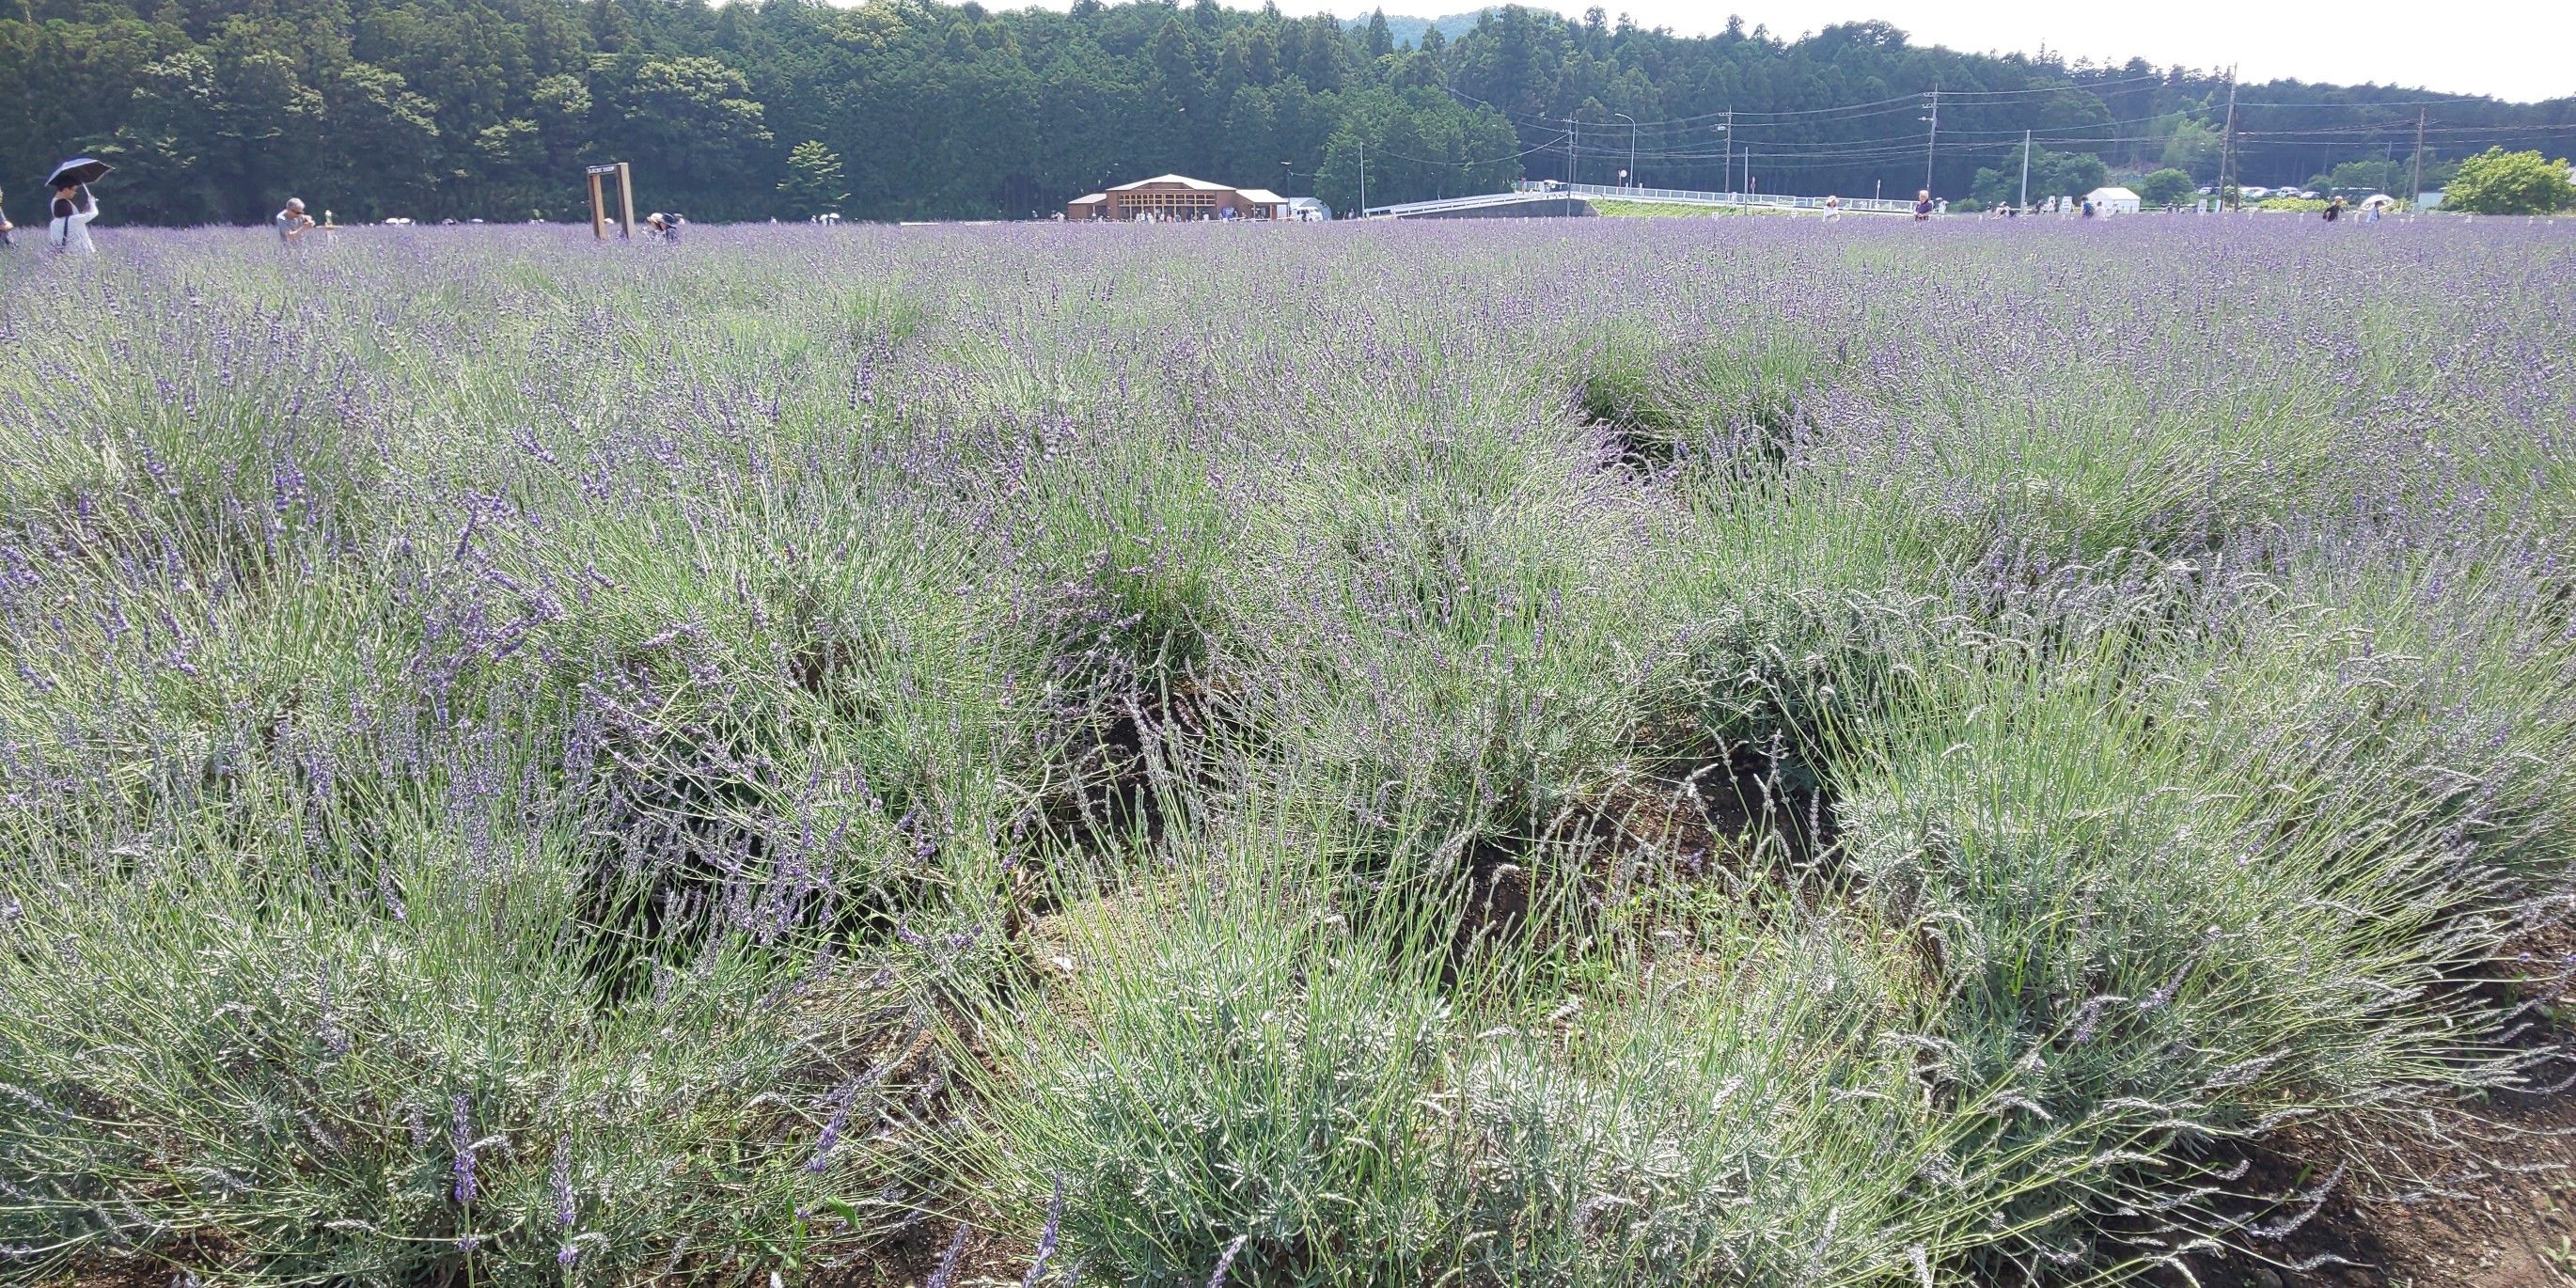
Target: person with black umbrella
point(74, 206)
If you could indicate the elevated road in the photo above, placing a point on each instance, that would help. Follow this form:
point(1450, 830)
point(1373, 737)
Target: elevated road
point(1491, 205)
point(1773, 201)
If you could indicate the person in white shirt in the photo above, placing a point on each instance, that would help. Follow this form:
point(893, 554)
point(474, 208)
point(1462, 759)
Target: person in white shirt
point(73, 208)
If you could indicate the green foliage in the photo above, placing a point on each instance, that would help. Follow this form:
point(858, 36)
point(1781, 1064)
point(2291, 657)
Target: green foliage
point(813, 182)
point(691, 122)
point(2052, 174)
point(2163, 187)
point(2497, 182)
point(2193, 148)
point(2361, 178)
point(2378, 174)
point(1419, 144)
point(1671, 209)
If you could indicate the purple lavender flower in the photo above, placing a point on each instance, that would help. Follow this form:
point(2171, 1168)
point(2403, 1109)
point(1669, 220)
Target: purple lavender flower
point(1046, 1236)
point(840, 1100)
point(461, 1136)
point(1226, 1262)
point(559, 1180)
point(946, 1274)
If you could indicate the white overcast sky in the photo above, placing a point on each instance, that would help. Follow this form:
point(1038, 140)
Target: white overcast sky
point(2521, 51)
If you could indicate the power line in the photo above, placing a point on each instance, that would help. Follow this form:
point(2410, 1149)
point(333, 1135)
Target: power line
point(1548, 146)
point(1755, 117)
point(2393, 102)
point(1775, 140)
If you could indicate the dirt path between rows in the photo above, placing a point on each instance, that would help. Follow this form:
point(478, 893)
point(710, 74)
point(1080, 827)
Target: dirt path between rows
point(2496, 1209)
point(2500, 1216)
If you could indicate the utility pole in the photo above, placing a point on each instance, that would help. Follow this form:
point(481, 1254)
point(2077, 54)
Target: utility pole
point(2415, 185)
point(1363, 178)
point(1931, 135)
point(1573, 162)
point(2227, 141)
point(1727, 176)
point(2025, 169)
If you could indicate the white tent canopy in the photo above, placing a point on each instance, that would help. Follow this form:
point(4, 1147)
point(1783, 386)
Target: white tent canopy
point(2113, 200)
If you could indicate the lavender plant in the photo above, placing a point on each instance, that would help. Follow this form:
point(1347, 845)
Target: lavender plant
point(1486, 753)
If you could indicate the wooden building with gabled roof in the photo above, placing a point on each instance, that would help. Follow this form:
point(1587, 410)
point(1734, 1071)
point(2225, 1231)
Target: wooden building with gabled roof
point(1177, 197)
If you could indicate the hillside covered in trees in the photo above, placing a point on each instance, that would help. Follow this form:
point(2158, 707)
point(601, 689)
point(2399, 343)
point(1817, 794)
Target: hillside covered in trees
point(214, 110)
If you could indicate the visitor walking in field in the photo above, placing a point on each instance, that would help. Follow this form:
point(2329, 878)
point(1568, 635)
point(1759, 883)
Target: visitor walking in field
point(1922, 205)
point(73, 208)
point(1833, 208)
point(2334, 210)
point(5, 226)
point(292, 223)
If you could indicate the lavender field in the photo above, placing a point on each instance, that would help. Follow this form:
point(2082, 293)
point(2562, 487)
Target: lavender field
point(1615, 752)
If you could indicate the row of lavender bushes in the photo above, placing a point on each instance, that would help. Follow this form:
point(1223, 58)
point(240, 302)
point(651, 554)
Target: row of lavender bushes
point(1491, 755)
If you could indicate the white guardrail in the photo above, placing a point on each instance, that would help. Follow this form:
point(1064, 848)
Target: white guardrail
point(1677, 196)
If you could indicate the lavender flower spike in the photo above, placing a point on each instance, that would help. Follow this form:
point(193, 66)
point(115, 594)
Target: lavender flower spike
point(1226, 1262)
point(946, 1274)
point(1047, 1236)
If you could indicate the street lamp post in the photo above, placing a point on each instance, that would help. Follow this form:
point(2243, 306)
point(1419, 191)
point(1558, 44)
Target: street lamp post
point(1630, 174)
point(1288, 186)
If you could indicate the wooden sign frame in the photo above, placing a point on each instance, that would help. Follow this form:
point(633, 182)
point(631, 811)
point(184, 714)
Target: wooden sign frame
point(625, 201)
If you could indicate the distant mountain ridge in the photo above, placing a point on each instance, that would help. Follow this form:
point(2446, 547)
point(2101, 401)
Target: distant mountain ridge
point(1408, 31)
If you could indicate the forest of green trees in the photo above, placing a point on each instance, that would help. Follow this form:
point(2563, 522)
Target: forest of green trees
point(214, 110)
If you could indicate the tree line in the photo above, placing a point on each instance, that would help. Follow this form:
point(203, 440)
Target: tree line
point(215, 110)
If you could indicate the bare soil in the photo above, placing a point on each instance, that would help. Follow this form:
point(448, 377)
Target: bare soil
point(2493, 1207)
